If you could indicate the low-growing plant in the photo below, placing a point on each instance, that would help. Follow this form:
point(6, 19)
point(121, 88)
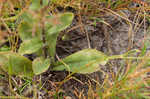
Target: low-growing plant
point(38, 32)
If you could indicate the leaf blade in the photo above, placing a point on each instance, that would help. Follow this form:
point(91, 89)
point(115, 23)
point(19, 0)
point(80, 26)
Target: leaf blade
point(16, 64)
point(30, 46)
point(40, 65)
point(59, 22)
point(56, 24)
point(85, 61)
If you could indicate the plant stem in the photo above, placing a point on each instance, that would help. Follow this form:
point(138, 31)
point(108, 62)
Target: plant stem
point(124, 57)
point(44, 40)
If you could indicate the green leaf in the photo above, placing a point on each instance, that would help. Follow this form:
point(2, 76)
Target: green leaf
point(56, 24)
point(5, 48)
point(30, 46)
point(29, 26)
point(45, 2)
point(40, 65)
point(38, 4)
point(35, 5)
point(16, 64)
point(27, 17)
point(52, 39)
point(25, 30)
point(85, 61)
point(60, 22)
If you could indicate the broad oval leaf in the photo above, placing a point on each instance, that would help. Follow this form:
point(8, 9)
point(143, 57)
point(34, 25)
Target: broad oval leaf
point(59, 22)
point(16, 64)
point(30, 46)
point(85, 61)
point(29, 26)
point(25, 30)
point(56, 24)
point(40, 65)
